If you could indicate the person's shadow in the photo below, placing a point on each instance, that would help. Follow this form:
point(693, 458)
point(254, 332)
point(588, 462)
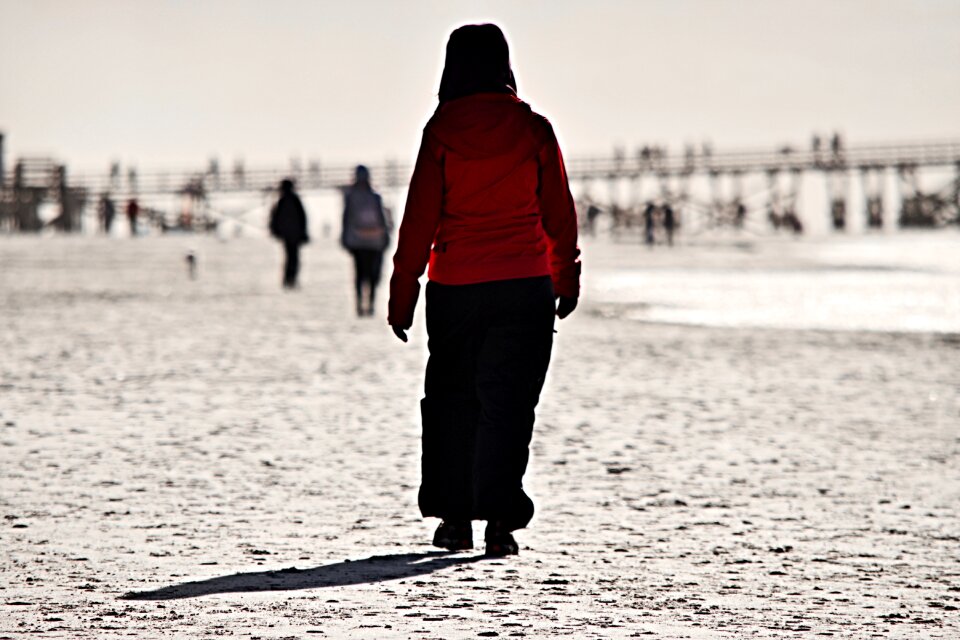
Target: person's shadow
point(338, 574)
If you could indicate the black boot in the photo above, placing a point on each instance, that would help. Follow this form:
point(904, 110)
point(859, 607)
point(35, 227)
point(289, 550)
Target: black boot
point(499, 540)
point(455, 535)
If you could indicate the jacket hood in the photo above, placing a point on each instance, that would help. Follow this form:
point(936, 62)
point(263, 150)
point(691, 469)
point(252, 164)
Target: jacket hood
point(484, 125)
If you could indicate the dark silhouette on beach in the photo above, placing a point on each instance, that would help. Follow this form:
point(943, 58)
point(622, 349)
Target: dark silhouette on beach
point(365, 233)
point(489, 208)
point(191, 259)
point(669, 222)
point(649, 213)
point(739, 214)
point(288, 223)
point(133, 212)
point(106, 211)
point(593, 212)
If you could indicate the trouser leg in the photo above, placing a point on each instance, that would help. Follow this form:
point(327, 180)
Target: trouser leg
point(376, 266)
point(292, 266)
point(511, 367)
point(449, 407)
point(490, 348)
point(449, 430)
point(358, 278)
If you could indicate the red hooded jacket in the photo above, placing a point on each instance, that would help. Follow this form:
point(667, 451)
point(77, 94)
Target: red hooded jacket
point(488, 200)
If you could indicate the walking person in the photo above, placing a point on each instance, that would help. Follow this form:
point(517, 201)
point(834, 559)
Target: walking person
point(669, 223)
point(649, 214)
point(489, 209)
point(288, 223)
point(133, 212)
point(365, 233)
point(106, 211)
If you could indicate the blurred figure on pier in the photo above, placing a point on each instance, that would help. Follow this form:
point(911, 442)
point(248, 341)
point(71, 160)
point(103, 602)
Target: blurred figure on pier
point(106, 212)
point(669, 222)
point(837, 154)
point(836, 147)
point(739, 214)
point(288, 223)
point(593, 212)
point(792, 221)
point(645, 157)
point(365, 234)
point(133, 212)
point(649, 213)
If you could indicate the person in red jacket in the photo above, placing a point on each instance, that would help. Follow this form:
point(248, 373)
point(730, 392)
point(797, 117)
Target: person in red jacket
point(489, 209)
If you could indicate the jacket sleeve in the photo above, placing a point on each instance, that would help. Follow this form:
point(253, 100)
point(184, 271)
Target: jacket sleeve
point(559, 217)
point(421, 217)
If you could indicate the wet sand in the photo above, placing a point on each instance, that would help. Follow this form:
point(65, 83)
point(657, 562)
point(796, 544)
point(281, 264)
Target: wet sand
point(220, 458)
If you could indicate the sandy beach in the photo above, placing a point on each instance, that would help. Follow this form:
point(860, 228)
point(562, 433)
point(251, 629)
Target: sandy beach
point(219, 458)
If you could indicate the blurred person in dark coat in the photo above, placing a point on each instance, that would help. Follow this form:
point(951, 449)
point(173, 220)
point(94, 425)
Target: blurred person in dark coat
point(107, 211)
point(288, 223)
point(133, 212)
point(669, 222)
point(648, 221)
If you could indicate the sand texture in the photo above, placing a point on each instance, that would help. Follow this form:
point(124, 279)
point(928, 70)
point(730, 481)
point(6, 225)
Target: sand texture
point(219, 458)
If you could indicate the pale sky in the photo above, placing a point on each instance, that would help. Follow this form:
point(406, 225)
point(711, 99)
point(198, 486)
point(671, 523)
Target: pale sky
point(175, 82)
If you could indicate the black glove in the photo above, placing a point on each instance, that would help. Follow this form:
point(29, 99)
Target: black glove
point(565, 306)
point(399, 332)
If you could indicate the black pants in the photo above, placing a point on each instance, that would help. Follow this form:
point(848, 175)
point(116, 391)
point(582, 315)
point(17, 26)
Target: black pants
point(367, 265)
point(489, 347)
point(292, 266)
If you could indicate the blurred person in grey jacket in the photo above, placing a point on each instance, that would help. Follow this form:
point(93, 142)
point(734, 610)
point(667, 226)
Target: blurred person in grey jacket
point(365, 234)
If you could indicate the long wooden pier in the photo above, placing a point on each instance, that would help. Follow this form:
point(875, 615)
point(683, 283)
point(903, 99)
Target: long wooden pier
point(314, 175)
point(30, 181)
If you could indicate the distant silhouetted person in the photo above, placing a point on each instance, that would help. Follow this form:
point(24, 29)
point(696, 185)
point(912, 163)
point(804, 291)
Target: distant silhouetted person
point(836, 146)
point(792, 221)
point(739, 215)
point(191, 260)
point(669, 223)
point(365, 234)
point(593, 212)
point(648, 220)
point(489, 209)
point(288, 223)
point(107, 211)
point(875, 212)
point(133, 212)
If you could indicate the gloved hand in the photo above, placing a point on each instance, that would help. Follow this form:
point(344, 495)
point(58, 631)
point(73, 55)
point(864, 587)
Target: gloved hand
point(399, 332)
point(565, 306)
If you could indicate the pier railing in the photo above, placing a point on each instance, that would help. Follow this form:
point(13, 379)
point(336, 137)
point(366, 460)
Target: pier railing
point(44, 174)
